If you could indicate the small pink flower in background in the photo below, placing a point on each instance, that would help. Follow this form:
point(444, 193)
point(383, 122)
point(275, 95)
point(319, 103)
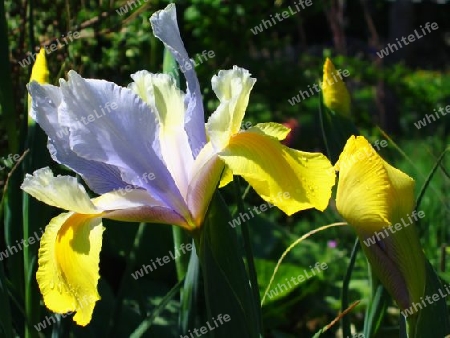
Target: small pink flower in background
point(332, 243)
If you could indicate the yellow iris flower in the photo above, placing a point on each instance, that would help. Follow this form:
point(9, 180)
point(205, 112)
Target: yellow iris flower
point(378, 201)
point(335, 94)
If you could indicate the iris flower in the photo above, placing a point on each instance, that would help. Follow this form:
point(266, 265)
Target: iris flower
point(335, 94)
point(378, 201)
point(148, 153)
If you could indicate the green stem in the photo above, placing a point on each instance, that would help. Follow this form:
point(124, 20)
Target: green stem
point(248, 252)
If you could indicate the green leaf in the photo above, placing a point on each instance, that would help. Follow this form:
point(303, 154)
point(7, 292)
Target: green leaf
point(227, 287)
point(190, 294)
point(433, 319)
point(376, 309)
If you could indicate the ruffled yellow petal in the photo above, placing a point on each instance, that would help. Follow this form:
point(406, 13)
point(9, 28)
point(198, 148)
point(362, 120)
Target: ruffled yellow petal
point(290, 179)
point(232, 87)
point(68, 270)
point(62, 191)
point(335, 94)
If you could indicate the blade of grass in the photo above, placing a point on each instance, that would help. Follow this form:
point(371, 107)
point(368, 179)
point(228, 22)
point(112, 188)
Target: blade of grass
point(299, 240)
point(429, 177)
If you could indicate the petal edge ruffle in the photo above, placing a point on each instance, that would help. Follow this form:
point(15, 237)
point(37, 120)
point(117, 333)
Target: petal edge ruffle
point(68, 270)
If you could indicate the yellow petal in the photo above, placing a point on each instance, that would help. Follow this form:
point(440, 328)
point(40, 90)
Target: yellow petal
point(279, 131)
point(271, 129)
point(335, 93)
point(227, 177)
point(68, 270)
point(61, 191)
point(363, 191)
point(40, 72)
point(290, 179)
point(372, 196)
point(232, 87)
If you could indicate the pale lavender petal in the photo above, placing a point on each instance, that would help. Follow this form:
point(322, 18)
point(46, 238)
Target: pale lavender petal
point(165, 27)
point(137, 206)
point(111, 124)
point(100, 177)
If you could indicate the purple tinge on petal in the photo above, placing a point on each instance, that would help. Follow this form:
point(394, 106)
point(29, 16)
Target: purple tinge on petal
point(145, 214)
point(202, 187)
point(111, 124)
point(100, 177)
point(138, 206)
point(165, 27)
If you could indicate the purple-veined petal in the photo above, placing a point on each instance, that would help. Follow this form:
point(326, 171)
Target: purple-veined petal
point(100, 177)
point(111, 124)
point(165, 28)
point(137, 205)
